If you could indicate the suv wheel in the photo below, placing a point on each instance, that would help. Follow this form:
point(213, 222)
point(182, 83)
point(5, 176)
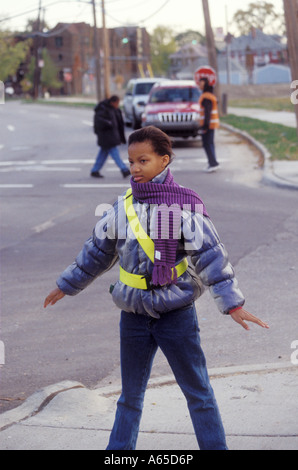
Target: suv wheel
point(135, 122)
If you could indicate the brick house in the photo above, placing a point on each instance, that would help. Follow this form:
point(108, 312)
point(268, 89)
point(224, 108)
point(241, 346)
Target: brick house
point(71, 49)
point(129, 51)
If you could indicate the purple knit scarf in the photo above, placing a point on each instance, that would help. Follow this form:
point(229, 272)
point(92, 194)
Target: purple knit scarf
point(168, 221)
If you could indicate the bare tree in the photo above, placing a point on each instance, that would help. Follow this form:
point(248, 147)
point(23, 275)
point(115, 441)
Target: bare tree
point(259, 15)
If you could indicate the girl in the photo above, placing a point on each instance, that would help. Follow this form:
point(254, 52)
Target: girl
point(157, 289)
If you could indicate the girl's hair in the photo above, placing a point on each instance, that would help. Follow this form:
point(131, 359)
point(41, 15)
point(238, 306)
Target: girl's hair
point(160, 142)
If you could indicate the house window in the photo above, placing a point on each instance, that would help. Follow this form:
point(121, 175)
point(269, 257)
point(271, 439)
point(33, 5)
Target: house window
point(59, 41)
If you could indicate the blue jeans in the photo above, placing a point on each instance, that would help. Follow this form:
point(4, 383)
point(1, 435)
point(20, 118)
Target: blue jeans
point(177, 334)
point(103, 155)
point(208, 144)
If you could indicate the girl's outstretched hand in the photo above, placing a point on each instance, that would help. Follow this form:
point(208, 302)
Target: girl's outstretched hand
point(53, 297)
point(240, 315)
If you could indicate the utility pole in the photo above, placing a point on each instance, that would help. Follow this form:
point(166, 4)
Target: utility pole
point(36, 53)
point(291, 17)
point(212, 58)
point(228, 43)
point(96, 54)
point(105, 53)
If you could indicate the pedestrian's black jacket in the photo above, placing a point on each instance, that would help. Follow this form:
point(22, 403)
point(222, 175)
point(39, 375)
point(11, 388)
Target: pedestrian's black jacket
point(207, 104)
point(108, 125)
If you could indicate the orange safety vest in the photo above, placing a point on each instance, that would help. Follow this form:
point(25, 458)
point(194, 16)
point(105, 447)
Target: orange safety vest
point(214, 121)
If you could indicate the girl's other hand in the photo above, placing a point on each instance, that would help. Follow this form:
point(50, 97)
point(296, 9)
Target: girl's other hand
point(241, 315)
point(53, 297)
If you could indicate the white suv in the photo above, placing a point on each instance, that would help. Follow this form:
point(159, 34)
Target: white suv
point(136, 98)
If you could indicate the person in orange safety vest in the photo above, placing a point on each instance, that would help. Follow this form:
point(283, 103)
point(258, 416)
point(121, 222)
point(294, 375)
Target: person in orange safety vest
point(209, 121)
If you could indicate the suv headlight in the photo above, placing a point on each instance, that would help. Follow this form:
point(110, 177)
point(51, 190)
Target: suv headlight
point(151, 117)
point(140, 106)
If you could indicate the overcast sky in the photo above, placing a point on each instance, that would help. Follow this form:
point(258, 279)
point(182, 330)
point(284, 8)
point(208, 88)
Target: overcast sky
point(178, 14)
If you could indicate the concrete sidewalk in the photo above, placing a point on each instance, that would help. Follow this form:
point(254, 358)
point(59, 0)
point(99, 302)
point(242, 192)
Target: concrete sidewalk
point(258, 405)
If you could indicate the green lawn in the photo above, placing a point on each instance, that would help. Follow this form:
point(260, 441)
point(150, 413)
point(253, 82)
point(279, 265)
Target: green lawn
point(281, 141)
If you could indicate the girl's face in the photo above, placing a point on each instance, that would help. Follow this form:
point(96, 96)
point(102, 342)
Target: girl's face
point(145, 164)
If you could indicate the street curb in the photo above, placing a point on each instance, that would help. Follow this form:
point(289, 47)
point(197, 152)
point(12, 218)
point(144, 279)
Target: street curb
point(35, 403)
point(214, 373)
point(40, 399)
point(269, 177)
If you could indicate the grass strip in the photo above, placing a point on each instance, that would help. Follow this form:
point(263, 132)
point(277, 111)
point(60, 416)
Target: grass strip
point(281, 141)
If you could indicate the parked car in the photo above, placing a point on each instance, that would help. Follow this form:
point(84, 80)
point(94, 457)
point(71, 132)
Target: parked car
point(173, 107)
point(136, 98)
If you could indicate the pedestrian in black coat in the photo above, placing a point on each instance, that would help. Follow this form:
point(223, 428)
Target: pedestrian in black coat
point(109, 128)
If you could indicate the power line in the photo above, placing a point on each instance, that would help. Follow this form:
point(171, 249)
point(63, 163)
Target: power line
point(139, 21)
point(107, 14)
point(33, 10)
point(129, 7)
point(155, 13)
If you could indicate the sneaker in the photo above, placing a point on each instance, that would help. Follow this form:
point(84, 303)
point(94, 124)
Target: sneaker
point(96, 174)
point(211, 169)
point(125, 173)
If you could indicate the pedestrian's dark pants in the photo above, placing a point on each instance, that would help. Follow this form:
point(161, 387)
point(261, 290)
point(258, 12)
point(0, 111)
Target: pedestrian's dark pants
point(177, 334)
point(208, 144)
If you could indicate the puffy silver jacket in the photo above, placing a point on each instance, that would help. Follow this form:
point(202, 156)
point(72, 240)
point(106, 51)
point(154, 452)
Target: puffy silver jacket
point(114, 241)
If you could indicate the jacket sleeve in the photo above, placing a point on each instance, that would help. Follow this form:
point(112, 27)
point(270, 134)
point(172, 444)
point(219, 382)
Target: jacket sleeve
point(97, 256)
point(211, 263)
point(121, 126)
point(101, 121)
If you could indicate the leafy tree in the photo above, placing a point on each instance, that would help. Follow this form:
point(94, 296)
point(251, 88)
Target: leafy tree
point(260, 15)
point(28, 80)
point(49, 72)
point(12, 54)
point(162, 45)
point(48, 76)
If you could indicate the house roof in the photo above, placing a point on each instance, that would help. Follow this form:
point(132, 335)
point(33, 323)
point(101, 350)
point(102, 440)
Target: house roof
point(73, 28)
point(188, 71)
point(256, 41)
point(190, 51)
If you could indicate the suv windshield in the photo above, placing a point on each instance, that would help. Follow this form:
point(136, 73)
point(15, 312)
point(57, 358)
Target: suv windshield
point(175, 95)
point(143, 88)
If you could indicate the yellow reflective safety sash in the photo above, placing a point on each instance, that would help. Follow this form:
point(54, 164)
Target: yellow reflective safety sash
point(136, 280)
point(146, 243)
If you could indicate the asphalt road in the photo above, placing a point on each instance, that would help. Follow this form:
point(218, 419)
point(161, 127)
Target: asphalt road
point(48, 203)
